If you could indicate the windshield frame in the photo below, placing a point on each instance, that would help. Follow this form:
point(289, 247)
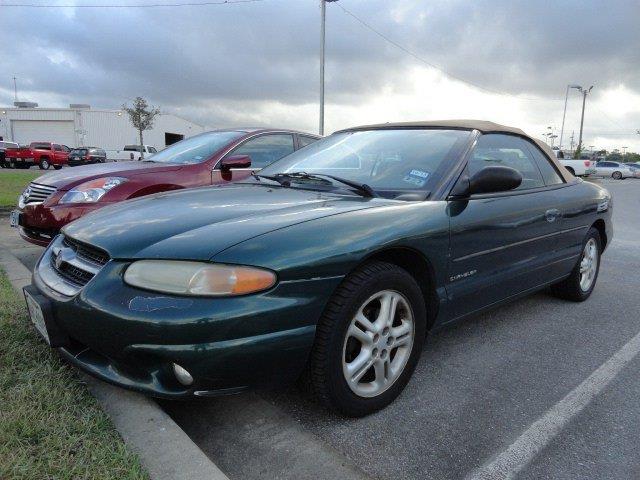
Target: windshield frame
point(440, 176)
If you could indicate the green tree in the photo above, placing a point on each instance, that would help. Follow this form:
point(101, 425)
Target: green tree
point(142, 116)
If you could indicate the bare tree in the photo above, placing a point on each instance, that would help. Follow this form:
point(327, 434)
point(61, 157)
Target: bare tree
point(142, 116)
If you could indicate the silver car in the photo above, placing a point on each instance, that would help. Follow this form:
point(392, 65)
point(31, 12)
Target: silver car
point(615, 170)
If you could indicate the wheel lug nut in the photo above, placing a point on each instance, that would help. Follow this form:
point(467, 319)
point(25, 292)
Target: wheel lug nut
point(375, 352)
point(385, 332)
point(390, 340)
point(376, 337)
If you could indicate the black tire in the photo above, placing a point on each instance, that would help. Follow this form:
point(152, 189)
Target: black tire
point(57, 167)
point(326, 362)
point(617, 175)
point(571, 171)
point(569, 288)
point(44, 164)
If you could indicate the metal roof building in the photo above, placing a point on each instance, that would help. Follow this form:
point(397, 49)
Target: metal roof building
point(80, 125)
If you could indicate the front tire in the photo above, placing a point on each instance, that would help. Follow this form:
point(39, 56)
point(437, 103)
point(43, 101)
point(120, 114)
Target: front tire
point(580, 284)
point(617, 175)
point(368, 340)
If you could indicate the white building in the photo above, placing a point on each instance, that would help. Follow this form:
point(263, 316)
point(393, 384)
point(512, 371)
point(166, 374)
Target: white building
point(80, 125)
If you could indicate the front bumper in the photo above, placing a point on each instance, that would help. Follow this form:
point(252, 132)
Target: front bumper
point(40, 223)
point(131, 338)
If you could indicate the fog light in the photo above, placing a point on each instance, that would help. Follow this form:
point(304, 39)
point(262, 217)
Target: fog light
point(183, 376)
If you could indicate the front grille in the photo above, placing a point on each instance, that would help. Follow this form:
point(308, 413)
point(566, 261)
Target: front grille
point(86, 252)
point(36, 193)
point(68, 265)
point(73, 274)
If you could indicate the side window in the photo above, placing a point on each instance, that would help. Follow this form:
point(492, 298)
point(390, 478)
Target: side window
point(549, 173)
point(57, 148)
point(152, 150)
point(507, 151)
point(303, 140)
point(266, 149)
point(65, 149)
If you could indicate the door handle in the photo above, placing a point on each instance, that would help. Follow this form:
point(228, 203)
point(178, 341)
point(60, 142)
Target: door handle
point(552, 214)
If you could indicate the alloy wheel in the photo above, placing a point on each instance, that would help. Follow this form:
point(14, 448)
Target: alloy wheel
point(378, 343)
point(588, 264)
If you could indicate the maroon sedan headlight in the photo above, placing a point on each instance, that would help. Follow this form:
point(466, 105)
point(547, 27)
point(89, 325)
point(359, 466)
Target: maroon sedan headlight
point(91, 191)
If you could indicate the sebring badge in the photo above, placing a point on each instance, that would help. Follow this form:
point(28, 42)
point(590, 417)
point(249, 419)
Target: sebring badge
point(462, 275)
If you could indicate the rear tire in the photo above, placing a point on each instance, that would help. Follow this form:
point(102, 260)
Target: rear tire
point(44, 164)
point(571, 171)
point(57, 167)
point(580, 284)
point(360, 365)
point(617, 175)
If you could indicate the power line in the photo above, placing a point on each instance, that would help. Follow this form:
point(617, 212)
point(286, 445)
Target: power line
point(131, 5)
point(437, 67)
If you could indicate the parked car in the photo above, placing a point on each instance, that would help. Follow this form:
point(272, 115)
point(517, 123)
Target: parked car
point(3, 146)
point(335, 261)
point(581, 167)
point(615, 170)
point(55, 199)
point(134, 152)
point(635, 169)
point(86, 156)
point(43, 154)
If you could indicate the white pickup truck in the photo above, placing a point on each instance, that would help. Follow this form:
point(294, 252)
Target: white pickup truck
point(132, 152)
point(581, 167)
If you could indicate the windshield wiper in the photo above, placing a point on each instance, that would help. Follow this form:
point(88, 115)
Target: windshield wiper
point(362, 188)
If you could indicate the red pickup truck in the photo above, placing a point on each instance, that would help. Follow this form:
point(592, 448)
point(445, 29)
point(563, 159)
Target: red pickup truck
point(43, 154)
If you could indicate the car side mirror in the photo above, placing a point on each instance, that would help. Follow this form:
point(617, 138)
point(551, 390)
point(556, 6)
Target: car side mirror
point(488, 180)
point(235, 161)
point(494, 179)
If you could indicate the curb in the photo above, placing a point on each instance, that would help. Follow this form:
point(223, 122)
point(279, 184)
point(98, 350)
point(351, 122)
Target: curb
point(164, 448)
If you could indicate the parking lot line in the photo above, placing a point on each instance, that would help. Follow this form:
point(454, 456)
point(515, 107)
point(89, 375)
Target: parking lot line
point(518, 455)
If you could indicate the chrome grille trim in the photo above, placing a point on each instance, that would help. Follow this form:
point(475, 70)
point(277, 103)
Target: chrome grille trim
point(68, 265)
point(36, 193)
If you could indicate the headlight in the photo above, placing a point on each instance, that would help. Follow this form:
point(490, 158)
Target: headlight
point(196, 278)
point(91, 191)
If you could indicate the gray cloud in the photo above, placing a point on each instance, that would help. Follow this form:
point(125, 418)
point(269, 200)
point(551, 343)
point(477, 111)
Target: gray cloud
point(195, 57)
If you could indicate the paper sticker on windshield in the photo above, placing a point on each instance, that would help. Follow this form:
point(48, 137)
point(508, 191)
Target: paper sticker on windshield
point(416, 177)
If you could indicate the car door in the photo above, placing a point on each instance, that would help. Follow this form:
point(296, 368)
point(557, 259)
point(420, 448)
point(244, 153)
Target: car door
point(262, 149)
point(604, 169)
point(502, 244)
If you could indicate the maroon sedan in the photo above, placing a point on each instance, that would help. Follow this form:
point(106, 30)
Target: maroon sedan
point(220, 156)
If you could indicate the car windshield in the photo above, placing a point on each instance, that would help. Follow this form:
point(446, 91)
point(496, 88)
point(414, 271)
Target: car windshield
point(195, 149)
point(78, 151)
point(385, 160)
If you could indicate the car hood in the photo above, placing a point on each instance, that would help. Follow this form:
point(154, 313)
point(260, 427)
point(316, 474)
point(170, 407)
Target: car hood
point(199, 223)
point(68, 178)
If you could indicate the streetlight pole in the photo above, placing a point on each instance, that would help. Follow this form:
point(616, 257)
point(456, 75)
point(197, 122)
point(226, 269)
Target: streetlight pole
point(564, 114)
point(584, 101)
point(15, 89)
point(323, 14)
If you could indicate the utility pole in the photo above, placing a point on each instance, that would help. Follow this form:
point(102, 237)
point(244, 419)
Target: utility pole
point(584, 101)
point(15, 89)
point(624, 151)
point(572, 142)
point(564, 114)
point(323, 15)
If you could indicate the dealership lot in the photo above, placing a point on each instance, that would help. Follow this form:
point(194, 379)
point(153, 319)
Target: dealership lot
point(479, 386)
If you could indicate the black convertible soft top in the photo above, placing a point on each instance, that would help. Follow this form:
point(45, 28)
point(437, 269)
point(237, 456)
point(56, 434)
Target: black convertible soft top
point(483, 126)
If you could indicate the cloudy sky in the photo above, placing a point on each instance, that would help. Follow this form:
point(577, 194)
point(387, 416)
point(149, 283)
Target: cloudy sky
point(257, 63)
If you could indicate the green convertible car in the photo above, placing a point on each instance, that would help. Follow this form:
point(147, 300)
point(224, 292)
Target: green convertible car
point(334, 262)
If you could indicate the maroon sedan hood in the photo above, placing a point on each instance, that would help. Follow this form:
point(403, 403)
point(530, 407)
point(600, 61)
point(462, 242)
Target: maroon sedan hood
point(70, 177)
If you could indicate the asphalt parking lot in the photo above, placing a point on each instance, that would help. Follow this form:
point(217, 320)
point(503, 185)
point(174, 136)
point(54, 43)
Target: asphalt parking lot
point(508, 394)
